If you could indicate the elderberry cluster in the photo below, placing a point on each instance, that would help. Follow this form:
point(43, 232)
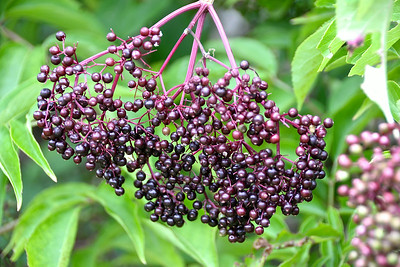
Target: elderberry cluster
point(199, 149)
point(373, 161)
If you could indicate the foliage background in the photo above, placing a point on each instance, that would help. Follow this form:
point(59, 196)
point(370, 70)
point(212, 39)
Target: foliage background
point(293, 44)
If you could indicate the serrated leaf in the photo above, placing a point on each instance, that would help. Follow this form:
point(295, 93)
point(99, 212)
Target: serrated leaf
point(373, 54)
point(394, 98)
point(124, 211)
point(305, 64)
point(52, 241)
point(356, 18)
point(23, 138)
point(9, 164)
point(43, 206)
point(329, 44)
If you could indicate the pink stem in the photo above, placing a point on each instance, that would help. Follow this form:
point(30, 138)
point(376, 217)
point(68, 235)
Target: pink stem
point(158, 25)
point(195, 46)
point(223, 36)
point(184, 34)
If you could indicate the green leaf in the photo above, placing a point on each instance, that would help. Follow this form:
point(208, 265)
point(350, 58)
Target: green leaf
point(200, 240)
point(277, 225)
point(19, 101)
point(43, 206)
point(335, 220)
point(305, 64)
point(3, 183)
point(329, 251)
point(394, 97)
point(329, 44)
point(372, 55)
point(52, 241)
point(396, 11)
point(300, 258)
point(324, 3)
point(322, 233)
point(23, 138)
point(195, 239)
point(9, 164)
point(366, 105)
point(11, 69)
point(356, 18)
point(308, 223)
point(124, 211)
point(62, 14)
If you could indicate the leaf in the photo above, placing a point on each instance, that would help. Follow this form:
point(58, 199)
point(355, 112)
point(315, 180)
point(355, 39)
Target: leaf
point(305, 64)
point(335, 220)
point(329, 251)
point(308, 223)
point(396, 11)
point(375, 87)
point(23, 138)
point(322, 233)
point(124, 211)
point(19, 101)
point(372, 55)
point(300, 258)
point(356, 18)
point(324, 3)
point(277, 225)
point(62, 14)
point(3, 183)
point(329, 44)
point(200, 240)
point(11, 55)
point(52, 242)
point(9, 164)
point(195, 239)
point(45, 204)
point(262, 59)
point(366, 105)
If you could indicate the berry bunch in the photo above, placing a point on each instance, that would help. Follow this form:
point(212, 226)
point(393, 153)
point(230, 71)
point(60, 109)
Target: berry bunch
point(206, 151)
point(374, 160)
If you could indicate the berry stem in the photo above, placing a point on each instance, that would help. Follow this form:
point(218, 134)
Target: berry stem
point(223, 36)
point(183, 35)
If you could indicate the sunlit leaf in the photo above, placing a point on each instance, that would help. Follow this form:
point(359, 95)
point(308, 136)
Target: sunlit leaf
point(9, 163)
point(394, 97)
point(23, 138)
point(305, 64)
point(52, 241)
